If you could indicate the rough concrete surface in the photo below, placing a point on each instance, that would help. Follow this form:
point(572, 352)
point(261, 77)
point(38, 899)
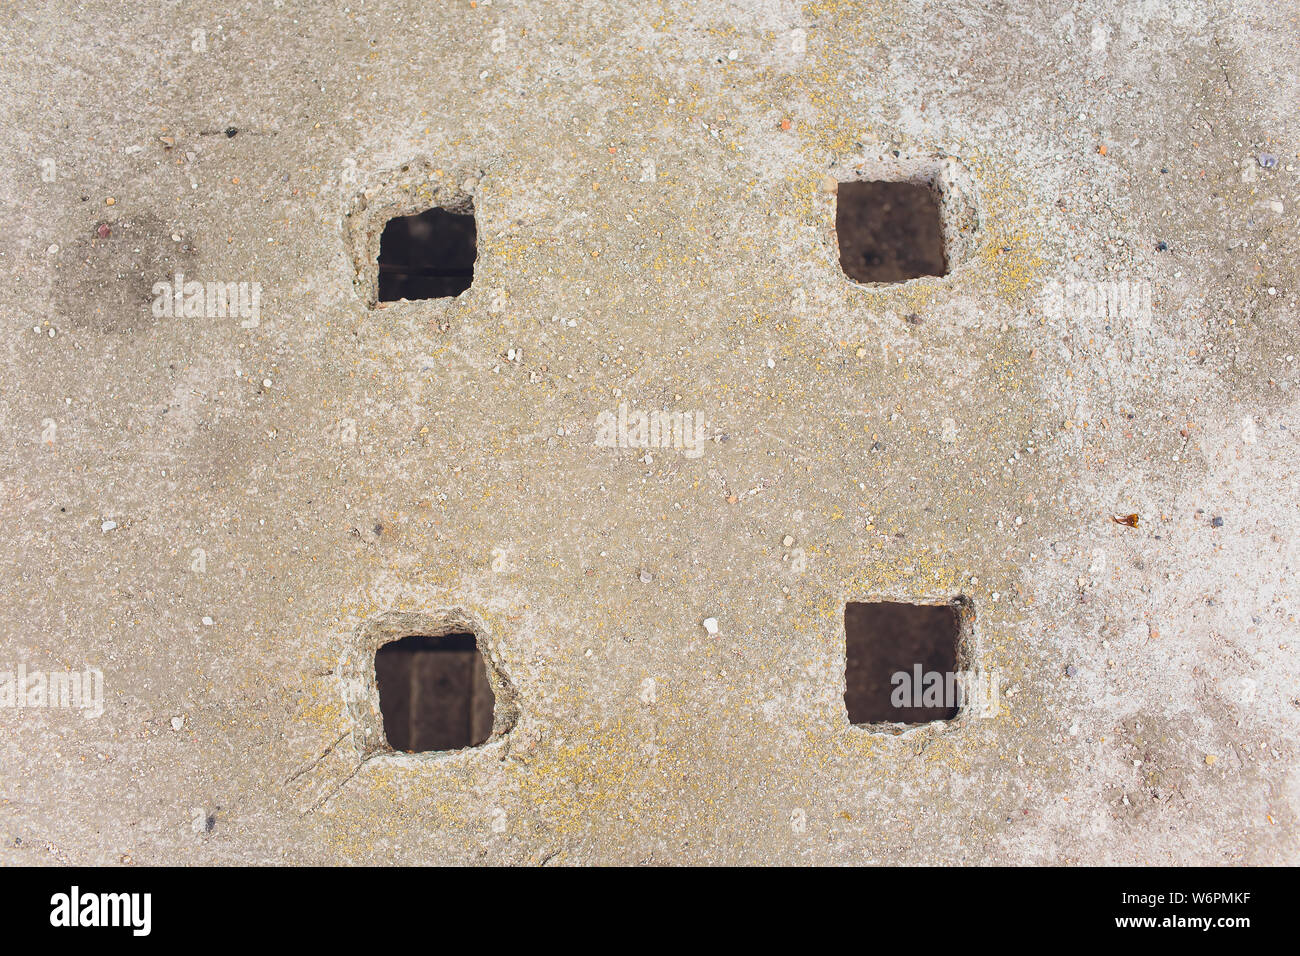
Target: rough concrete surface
point(216, 511)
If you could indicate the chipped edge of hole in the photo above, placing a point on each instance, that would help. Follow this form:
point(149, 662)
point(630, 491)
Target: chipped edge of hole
point(967, 660)
point(408, 190)
point(361, 690)
point(956, 189)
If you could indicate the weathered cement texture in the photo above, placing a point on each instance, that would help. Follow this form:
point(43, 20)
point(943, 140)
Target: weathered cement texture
point(655, 189)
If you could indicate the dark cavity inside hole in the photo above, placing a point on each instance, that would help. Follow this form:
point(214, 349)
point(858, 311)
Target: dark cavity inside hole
point(427, 256)
point(434, 693)
point(901, 662)
point(889, 231)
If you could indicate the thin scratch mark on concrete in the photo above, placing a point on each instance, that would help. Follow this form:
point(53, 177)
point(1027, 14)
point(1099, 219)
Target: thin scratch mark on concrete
point(313, 764)
point(329, 796)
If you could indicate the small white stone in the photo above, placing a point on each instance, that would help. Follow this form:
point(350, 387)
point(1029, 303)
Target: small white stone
point(266, 383)
point(733, 54)
point(178, 723)
point(711, 625)
point(52, 249)
point(207, 622)
point(108, 526)
point(787, 541)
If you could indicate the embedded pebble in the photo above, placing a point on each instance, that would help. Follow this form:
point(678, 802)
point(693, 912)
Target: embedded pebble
point(711, 625)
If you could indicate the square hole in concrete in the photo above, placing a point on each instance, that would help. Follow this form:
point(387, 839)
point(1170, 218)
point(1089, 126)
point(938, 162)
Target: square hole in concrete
point(427, 256)
point(434, 693)
point(902, 661)
point(890, 231)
